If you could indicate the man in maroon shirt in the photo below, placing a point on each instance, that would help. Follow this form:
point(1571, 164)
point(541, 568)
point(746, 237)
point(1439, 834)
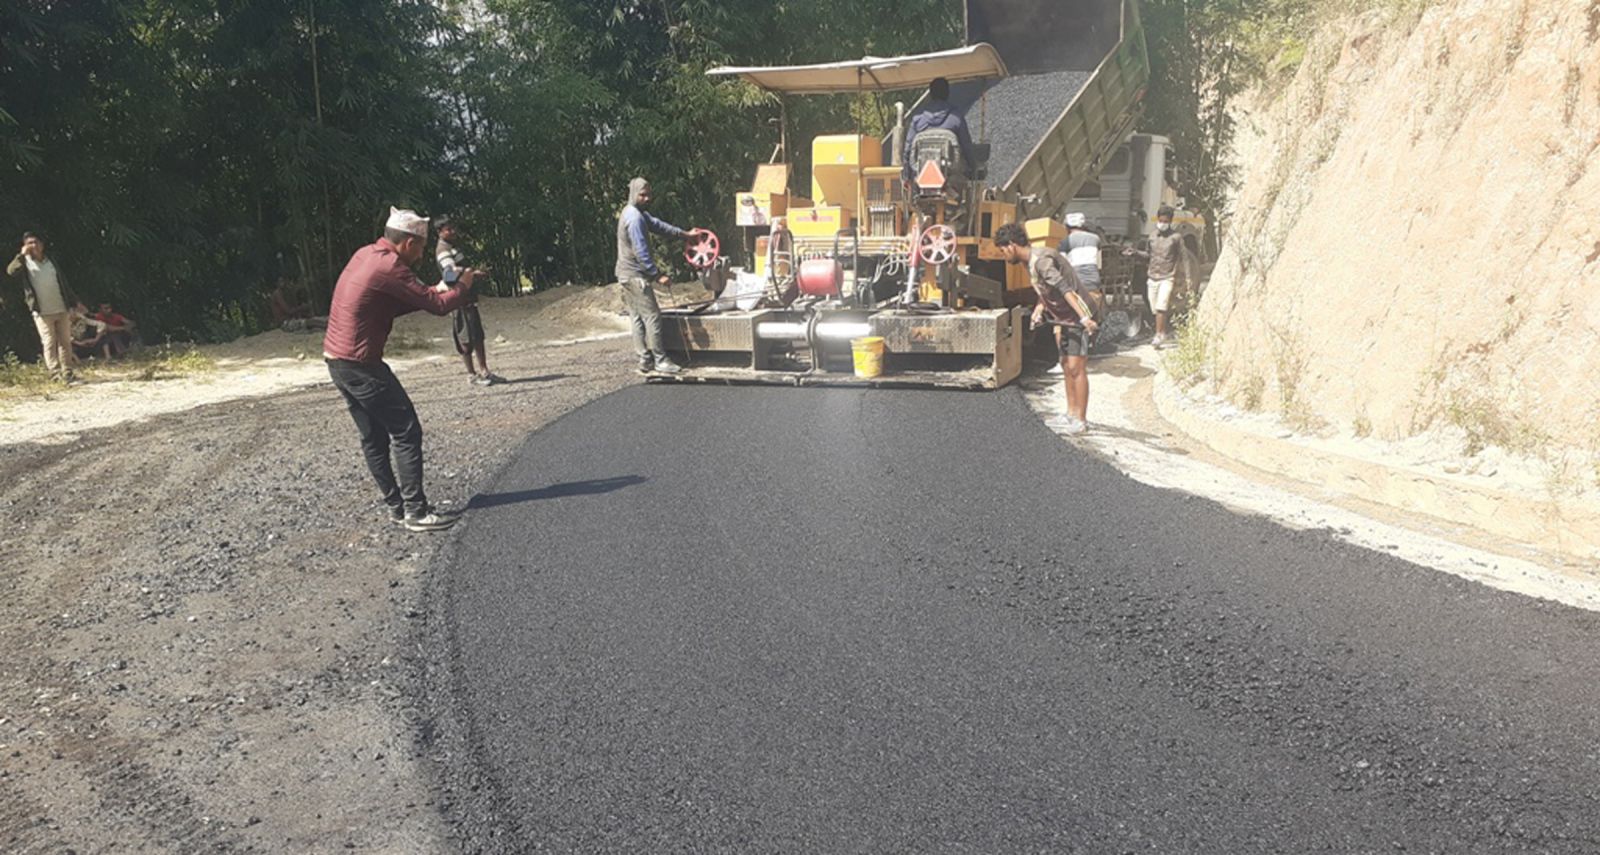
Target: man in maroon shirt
point(375, 287)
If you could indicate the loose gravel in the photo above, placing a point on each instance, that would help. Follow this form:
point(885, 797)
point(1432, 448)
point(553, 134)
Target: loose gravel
point(207, 617)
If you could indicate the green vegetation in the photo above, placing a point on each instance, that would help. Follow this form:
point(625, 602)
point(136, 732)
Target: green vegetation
point(183, 155)
point(166, 362)
point(1189, 361)
point(1486, 422)
point(20, 379)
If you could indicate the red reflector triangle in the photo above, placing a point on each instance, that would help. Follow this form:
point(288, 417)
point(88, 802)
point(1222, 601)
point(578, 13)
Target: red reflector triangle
point(931, 177)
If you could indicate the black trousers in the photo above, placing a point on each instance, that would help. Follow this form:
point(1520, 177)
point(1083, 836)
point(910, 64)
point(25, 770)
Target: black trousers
point(387, 422)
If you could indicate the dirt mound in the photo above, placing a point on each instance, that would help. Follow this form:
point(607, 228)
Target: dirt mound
point(1415, 245)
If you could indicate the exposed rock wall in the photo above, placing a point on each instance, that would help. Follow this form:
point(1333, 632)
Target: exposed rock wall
point(1416, 242)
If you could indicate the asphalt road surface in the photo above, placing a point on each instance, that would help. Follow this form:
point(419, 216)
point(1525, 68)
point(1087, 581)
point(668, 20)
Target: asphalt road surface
point(699, 619)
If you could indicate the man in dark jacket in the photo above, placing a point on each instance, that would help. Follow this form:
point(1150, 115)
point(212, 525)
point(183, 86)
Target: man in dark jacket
point(638, 275)
point(938, 114)
point(49, 300)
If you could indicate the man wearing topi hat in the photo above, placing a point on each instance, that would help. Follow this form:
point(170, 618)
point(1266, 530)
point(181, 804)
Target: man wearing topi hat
point(375, 287)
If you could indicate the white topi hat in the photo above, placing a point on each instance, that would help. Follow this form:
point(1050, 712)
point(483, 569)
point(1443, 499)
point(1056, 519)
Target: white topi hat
point(408, 221)
point(1076, 220)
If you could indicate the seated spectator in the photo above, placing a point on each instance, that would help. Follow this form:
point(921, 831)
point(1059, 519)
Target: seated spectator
point(291, 313)
point(118, 332)
point(88, 334)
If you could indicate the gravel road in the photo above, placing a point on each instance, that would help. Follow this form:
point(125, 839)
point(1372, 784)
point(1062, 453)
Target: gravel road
point(206, 620)
point(780, 620)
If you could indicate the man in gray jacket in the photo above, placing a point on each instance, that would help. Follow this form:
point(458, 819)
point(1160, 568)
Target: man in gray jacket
point(638, 275)
point(50, 301)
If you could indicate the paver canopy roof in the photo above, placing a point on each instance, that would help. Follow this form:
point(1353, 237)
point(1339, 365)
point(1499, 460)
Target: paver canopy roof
point(876, 73)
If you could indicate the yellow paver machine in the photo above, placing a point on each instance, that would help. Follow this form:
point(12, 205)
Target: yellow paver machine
point(893, 247)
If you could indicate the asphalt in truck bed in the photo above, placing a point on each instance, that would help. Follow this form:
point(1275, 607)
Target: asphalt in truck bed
point(805, 620)
point(1014, 113)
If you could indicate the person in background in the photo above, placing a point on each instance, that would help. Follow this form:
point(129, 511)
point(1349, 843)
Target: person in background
point(1163, 253)
point(375, 287)
point(88, 334)
point(1064, 299)
point(291, 310)
point(938, 114)
point(49, 299)
point(1081, 246)
point(638, 275)
point(117, 331)
point(466, 326)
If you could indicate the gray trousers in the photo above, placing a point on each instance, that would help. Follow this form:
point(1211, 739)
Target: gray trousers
point(639, 298)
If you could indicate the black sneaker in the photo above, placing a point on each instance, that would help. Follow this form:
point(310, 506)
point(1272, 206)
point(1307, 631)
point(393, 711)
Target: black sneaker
point(397, 514)
point(432, 522)
point(646, 367)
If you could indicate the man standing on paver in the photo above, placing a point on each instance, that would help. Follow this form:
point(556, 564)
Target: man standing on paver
point(466, 325)
point(375, 287)
point(638, 275)
point(49, 300)
point(1063, 297)
point(1164, 253)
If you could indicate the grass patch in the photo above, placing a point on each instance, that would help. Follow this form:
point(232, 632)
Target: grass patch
point(22, 379)
point(1362, 427)
point(1188, 362)
point(1485, 422)
point(166, 362)
point(1251, 392)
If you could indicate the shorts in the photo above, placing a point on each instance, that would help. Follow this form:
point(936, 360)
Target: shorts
point(467, 328)
point(1072, 341)
point(1159, 293)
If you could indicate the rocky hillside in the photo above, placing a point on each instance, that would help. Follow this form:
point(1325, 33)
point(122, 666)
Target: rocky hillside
point(1416, 242)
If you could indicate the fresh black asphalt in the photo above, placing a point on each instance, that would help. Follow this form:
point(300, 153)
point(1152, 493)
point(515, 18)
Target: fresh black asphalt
point(706, 619)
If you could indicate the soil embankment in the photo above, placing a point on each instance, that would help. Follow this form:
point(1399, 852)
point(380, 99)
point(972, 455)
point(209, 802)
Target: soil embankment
point(1414, 252)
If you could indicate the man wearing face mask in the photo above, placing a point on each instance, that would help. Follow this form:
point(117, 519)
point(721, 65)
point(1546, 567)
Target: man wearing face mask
point(375, 287)
point(637, 273)
point(1164, 253)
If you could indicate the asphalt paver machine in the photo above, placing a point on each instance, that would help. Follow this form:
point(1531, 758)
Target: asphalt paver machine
point(900, 249)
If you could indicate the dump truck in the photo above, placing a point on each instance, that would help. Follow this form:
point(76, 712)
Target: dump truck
point(897, 258)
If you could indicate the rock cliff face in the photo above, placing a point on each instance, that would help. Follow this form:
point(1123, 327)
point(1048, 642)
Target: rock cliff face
point(1416, 241)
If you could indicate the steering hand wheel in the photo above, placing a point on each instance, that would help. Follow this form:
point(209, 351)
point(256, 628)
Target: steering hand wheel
point(702, 249)
point(937, 245)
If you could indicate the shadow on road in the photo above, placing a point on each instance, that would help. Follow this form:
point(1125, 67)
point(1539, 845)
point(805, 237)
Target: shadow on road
point(591, 487)
point(543, 378)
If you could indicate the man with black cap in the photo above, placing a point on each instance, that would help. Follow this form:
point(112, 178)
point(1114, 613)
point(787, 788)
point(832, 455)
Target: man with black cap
point(466, 326)
point(375, 287)
point(638, 275)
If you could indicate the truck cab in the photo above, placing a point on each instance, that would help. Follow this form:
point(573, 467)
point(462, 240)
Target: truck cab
point(1139, 177)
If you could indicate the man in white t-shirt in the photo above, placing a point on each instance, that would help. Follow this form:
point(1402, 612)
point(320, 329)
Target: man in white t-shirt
point(50, 301)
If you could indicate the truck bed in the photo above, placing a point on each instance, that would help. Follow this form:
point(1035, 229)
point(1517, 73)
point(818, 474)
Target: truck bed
point(1014, 113)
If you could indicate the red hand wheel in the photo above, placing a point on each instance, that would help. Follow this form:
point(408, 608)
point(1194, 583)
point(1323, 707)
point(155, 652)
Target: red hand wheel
point(937, 245)
point(702, 249)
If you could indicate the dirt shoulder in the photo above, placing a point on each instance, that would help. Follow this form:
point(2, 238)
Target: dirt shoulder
point(279, 361)
point(1188, 453)
point(206, 612)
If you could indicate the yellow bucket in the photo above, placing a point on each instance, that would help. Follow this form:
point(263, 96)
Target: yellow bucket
point(868, 353)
